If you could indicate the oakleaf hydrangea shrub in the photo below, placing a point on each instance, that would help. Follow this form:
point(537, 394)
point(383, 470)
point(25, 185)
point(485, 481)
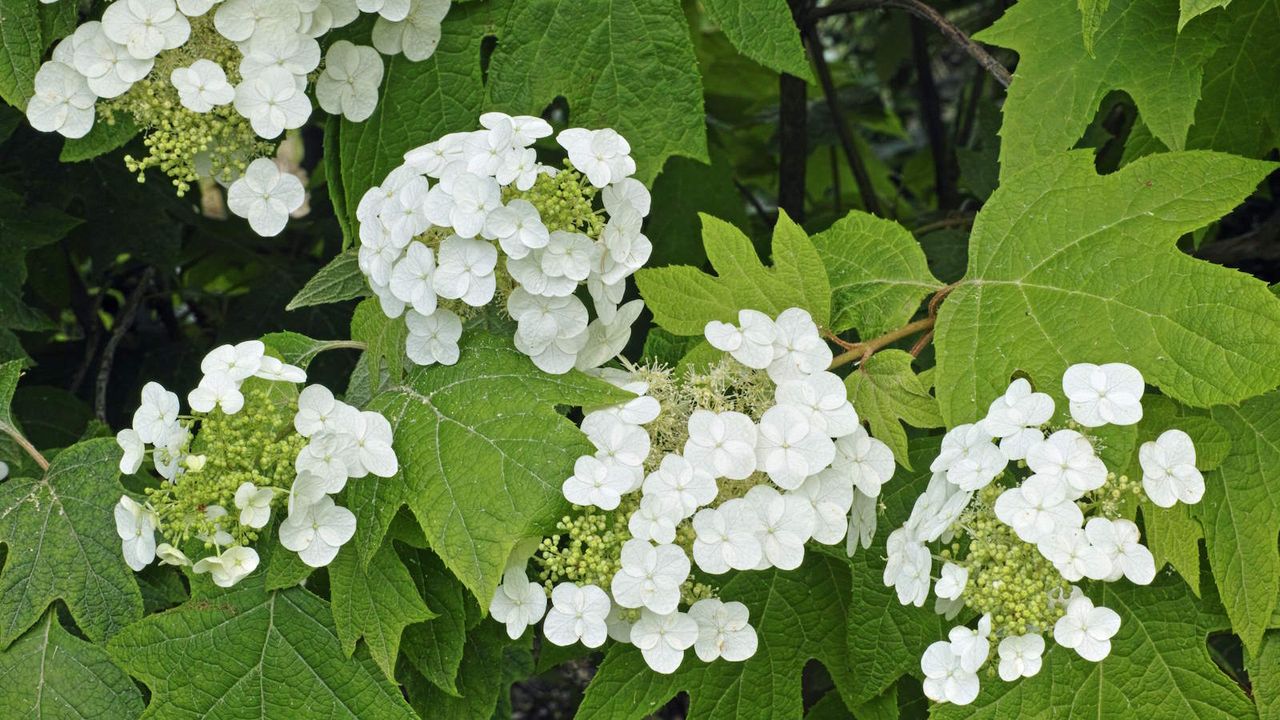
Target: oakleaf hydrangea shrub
point(734, 467)
point(215, 83)
point(252, 446)
point(1017, 511)
point(474, 218)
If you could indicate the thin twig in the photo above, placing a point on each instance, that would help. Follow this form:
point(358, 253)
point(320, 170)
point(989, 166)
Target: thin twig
point(924, 12)
point(921, 344)
point(860, 176)
point(25, 444)
point(117, 334)
point(793, 145)
point(944, 177)
point(958, 221)
point(750, 197)
point(863, 351)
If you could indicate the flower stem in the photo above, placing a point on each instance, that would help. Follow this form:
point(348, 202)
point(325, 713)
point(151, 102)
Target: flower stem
point(25, 444)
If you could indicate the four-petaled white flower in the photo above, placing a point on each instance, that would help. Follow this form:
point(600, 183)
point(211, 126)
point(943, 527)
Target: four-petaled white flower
point(1068, 457)
point(862, 522)
point(265, 196)
point(230, 566)
point(690, 486)
point(823, 396)
point(136, 526)
point(785, 524)
point(318, 531)
point(465, 270)
point(518, 602)
point(1038, 508)
point(1104, 394)
point(433, 338)
point(723, 630)
point(1020, 656)
point(945, 680)
point(723, 443)
point(240, 20)
point(663, 638)
point(134, 450)
point(969, 458)
point(952, 583)
point(518, 228)
point(349, 84)
point(972, 645)
point(725, 538)
point(1118, 540)
point(655, 519)
point(798, 349)
point(1087, 629)
point(602, 155)
point(831, 497)
point(577, 614)
point(216, 390)
point(106, 65)
point(867, 461)
point(1016, 417)
point(145, 27)
point(156, 415)
point(202, 86)
point(237, 361)
point(63, 101)
point(417, 35)
point(411, 278)
point(907, 569)
point(272, 102)
point(254, 504)
point(332, 456)
point(597, 483)
point(650, 576)
point(1169, 473)
point(751, 344)
point(1074, 556)
point(279, 371)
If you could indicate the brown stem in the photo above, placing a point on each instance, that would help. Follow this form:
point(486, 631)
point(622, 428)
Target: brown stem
point(793, 146)
point(921, 344)
point(944, 171)
point(924, 12)
point(117, 334)
point(864, 350)
point(958, 221)
point(25, 444)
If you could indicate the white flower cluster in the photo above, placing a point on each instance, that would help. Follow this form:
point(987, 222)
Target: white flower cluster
point(343, 443)
point(279, 53)
point(428, 234)
point(1047, 511)
point(745, 495)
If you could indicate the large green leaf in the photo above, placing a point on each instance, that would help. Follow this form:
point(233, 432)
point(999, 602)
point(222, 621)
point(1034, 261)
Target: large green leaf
point(252, 654)
point(626, 64)
point(887, 393)
point(878, 273)
point(1159, 667)
point(489, 666)
point(50, 674)
point(1058, 84)
point(434, 648)
point(763, 31)
point(1190, 9)
point(482, 453)
point(798, 615)
point(340, 280)
point(1264, 673)
point(21, 45)
point(1066, 266)
point(63, 545)
point(375, 602)
point(1240, 514)
point(683, 299)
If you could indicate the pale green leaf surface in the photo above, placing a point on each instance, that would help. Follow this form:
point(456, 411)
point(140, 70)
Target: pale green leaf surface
point(62, 545)
point(878, 273)
point(1066, 266)
point(375, 602)
point(763, 31)
point(339, 280)
point(1058, 85)
point(887, 393)
point(1091, 12)
point(1191, 9)
point(50, 674)
point(1264, 673)
point(383, 337)
point(261, 656)
point(684, 299)
point(482, 454)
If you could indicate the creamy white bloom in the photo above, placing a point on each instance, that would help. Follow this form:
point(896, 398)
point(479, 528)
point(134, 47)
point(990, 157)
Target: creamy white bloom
point(318, 531)
point(1087, 629)
point(411, 278)
point(1074, 556)
point(751, 344)
point(202, 86)
point(265, 196)
point(106, 65)
point(577, 614)
point(944, 678)
point(170, 555)
point(230, 566)
point(618, 441)
point(517, 227)
point(272, 102)
point(798, 349)
point(831, 497)
point(389, 9)
point(433, 338)
point(789, 448)
point(607, 339)
point(627, 192)
point(279, 371)
point(417, 35)
point(602, 155)
point(866, 461)
point(650, 576)
point(373, 453)
point(937, 509)
point(1038, 508)
point(597, 483)
point(237, 361)
point(465, 270)
point(725, 538)
point(786, 523)
point(689, 485)
point(1020, 656)
point(663, 638)
point(254, 504)
point(136, 526)
point(349, 84)
point(145, 27)
point(723, 630)
point(518, 602)
point(1068, 456)
point(972, 645)
point(156, 414)
point(907, 569)
point(823, 396)
point(330, 455)
point(316, 407)
point(525, 129)
point(307, 489)
point(1169, 473)
point(1016, 417)
point(63, 102)
point(134, 450)
point(969, 458)
point(1118, 540)
point(292, 52)
point(656, 518)
point(217, 390)
point(239, 20)
point(862, 522)
point(952, 583)
point(1104, 394)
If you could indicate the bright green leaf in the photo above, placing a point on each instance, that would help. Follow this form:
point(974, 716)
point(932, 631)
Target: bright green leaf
point(261, 656)
point(374, 602)
point(1190, 9)
point(1091, 12)
point(1066, 266)
point(382, 336)
point(21, 47)
point(1264, 673)
point(102, 139)
point(340, 280)
point(886, 392)
point(63, 545)
point(763, 31)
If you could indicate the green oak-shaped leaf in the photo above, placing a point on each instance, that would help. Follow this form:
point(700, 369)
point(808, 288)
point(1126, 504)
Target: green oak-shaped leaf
point(878, 273)
point(683, 299)
point(434, 648)
point(375, 602)
point(1159, 667)
point(1066, 266)
point(763, 31)
point(1058, 84)
point(798, 615)
point(62, 545)
point(50, 674)
point(249, 654)
point(482, 453)
point(489, 665)
point(887, 393)
point(1240, 515)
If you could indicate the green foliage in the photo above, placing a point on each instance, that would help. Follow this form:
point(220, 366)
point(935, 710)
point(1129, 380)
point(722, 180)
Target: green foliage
point(1107, 258)
point(50, 673)
point(435, 648)
point(887, 393)
point(340, 280)
point(262, 655)
point(63, 546)
point(374, 601)
point(21, 45)
point(763, 31)
point(102, 138)
point(482, 454)
point(483, 675)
